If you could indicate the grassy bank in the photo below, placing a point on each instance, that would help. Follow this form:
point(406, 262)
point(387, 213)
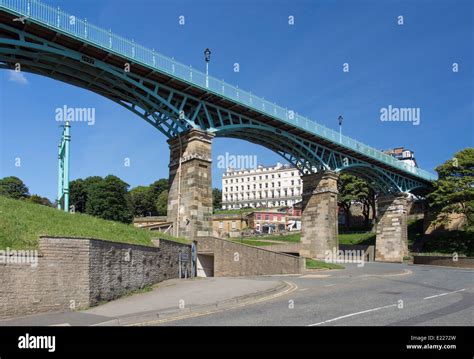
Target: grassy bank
point(315, 264)
point(367, 238)
point(21, 223)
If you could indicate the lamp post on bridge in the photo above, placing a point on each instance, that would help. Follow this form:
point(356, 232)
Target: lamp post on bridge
point(340, 128)
point(207, 58)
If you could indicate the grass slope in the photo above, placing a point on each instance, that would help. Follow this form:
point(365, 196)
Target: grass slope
point(346, 238)
point(22, 222)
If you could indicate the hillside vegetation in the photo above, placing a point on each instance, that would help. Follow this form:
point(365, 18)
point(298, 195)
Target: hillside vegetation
point(22, 222)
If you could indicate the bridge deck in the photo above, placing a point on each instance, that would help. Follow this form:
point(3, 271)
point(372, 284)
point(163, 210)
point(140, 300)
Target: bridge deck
point(49, 23)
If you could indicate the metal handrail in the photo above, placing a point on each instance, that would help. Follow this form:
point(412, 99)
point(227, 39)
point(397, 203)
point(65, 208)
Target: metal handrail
point(63, 22)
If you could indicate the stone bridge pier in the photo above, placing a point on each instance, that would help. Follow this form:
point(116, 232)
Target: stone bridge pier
point(319, 221)
point(190, 194)
point(392, 233)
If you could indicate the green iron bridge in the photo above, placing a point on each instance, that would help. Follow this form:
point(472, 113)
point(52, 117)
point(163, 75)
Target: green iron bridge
point(175, 98)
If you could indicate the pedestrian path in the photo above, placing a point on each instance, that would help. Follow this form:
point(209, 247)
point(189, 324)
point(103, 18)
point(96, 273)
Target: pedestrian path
point(169, 298)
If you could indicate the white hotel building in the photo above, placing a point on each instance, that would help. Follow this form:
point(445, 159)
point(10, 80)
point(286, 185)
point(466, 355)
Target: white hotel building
point(276, 186)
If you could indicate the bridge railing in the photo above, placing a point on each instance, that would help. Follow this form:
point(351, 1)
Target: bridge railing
point(69, 24)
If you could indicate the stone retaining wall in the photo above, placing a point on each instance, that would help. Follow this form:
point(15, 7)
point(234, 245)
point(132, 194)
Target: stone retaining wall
point(462, 262)
point(235, 259)
point(74, 273)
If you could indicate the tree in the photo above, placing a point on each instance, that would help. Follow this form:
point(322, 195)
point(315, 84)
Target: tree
point(453, 192)
point(109, 199)
point(162, 203)
point(78, 195)
point(143, 202)
point(40, 200)
point(369, 205)
point(351, 189)
point(216, 198)
point(13, 187)
point(159, 186)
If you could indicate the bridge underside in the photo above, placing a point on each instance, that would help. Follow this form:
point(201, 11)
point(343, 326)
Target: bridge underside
point(176, 108)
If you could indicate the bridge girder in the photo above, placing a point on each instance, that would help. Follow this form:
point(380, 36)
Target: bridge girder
point(173, 112)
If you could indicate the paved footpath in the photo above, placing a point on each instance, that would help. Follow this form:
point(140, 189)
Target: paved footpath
point(172, 298)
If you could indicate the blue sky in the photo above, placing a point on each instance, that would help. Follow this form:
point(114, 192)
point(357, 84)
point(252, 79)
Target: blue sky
point(297, 66)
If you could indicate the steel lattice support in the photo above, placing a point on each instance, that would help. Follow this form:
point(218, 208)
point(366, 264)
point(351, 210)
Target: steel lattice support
point(63, 169)
point(173, 112)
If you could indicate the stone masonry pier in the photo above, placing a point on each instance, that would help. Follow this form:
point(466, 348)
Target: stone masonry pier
point(190, 194)
point(392, 234)
point(319, 226)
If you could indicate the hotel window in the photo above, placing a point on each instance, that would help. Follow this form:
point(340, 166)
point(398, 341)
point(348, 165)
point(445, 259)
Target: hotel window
point(267, 217)
point(234, 224)
point(259, 217)
point(221, 225)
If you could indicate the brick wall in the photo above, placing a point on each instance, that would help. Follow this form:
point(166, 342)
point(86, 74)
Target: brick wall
point(74, 273)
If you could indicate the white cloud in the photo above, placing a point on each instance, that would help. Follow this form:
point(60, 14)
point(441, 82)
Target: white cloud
point(18, 77)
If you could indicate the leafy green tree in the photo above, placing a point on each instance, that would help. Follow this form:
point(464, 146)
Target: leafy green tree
point(13, 187)
point(109, 199)
point(351, 189)
point(159, 186)
point(40, 200)
point(369, 205)
point(216, 198)
point(453, 192)
point(143, 202)
point(78, 195)
point(162, 203)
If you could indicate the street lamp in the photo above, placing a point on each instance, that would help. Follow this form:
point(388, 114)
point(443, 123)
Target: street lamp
point(207, 58)
point(340, 128)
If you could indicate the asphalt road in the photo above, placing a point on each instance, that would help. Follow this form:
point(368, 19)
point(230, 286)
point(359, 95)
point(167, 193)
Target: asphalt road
point(377, 294)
